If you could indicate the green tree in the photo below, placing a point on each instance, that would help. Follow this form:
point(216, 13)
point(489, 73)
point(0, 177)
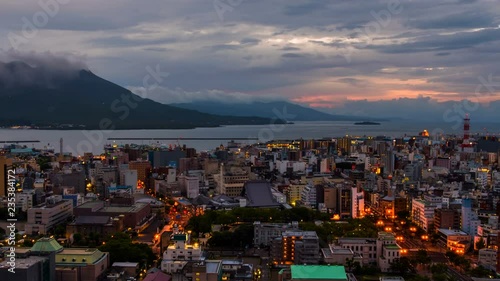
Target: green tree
point(121, 248)
point(480, 244)
point(401, 266)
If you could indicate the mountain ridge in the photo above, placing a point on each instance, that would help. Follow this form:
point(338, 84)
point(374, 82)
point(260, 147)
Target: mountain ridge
point(50, 98)
point(271, 109)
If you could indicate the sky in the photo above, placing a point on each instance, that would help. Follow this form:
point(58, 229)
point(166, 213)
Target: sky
point(339, 56)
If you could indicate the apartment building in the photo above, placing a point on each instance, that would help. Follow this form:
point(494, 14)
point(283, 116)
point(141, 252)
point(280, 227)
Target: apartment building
point(296, 247)
point(264, 233)
point(178, 254)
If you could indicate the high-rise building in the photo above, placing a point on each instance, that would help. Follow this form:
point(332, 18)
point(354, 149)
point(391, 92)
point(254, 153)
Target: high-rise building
point(469, 217)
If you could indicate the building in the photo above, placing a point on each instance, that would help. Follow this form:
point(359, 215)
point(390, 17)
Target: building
point(190, 185)
point(387, 250)
point(313, 273)
point(446, 218)
point(179, 253)
point(129, 178)
point(422, 213)
point(469, 217)
point(264, 233)
point(210, 270)
point(308, 196)
point(166, 158)
point(296, 247)
point(259, 194)
point(358, 203)
point(134, 216)
point(231, 183)
point(44, 217)
point(488, 258)
point(80, 264)
point(455, 240)
point(32, 268)
point(339, 255)
point(101, 225)
point(47, 260)
point(5, 163)
point(366, 248)
point(142, 167)
point(237, 270)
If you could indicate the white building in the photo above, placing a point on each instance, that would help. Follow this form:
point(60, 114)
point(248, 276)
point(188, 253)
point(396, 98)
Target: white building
point(365, 247)
point(358, 203)
point(177, 255)
point(422, 212)
point(487, 258)
point(44, 217)
point(280, 197)
point(387, 250)
point(191, 184)
point(24, 200)
point(308, 196)
point(129, 178)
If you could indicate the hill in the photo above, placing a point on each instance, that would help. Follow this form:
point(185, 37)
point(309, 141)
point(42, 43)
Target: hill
point(65, 98)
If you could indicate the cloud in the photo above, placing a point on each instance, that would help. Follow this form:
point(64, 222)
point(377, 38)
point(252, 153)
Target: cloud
point(42, 69)
point(295, 49)
point(169, 96)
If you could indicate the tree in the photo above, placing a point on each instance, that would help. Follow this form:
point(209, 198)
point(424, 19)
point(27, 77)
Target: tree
point(422, 257)
point(60, 230)
point(480, 244)
point(121, 248)
point(401, 265)
point(77, 238)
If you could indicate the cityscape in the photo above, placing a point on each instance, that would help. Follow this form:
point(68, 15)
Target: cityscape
point(235, 140)
point(347, 208)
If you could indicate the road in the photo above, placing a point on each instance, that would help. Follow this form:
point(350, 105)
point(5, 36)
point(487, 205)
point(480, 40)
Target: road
point(457, 275)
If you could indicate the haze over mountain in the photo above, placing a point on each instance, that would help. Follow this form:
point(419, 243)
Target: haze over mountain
point(271, 109)
point(50, 96)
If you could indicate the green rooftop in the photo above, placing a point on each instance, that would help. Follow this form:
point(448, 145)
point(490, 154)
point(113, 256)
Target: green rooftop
point(180, 237)
point(45, 245)
point(392, 246)
point(318, 272)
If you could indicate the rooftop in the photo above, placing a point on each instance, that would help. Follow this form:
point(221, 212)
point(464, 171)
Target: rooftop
point(448, 232)
point(23, 263)
point(318, 272)
point(392, 246)
point(46, 244)
point(213, 266)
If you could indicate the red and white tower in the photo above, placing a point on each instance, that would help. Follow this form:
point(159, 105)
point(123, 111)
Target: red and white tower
point(467, 144)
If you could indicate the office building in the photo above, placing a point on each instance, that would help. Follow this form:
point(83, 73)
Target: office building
point(44, 217)
point(296, 247)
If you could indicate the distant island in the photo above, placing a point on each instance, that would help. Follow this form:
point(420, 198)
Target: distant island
point(366, 123)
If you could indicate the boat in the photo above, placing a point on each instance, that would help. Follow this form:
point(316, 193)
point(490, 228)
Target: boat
point(367, 123)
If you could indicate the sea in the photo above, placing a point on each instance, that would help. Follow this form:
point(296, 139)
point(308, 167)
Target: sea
point(79, 141)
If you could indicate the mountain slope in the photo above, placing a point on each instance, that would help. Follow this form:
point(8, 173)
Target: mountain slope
point(266, 110)
point(44, 97)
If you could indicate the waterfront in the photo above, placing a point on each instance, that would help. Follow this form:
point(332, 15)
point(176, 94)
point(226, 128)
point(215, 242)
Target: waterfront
point(77, 140)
